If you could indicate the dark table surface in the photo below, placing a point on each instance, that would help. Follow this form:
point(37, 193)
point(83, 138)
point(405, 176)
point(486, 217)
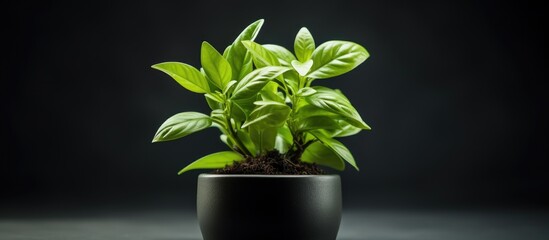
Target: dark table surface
point(356, 224)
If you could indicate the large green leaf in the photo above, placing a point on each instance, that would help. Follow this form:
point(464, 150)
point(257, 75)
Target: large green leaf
point(337, 147)
point(216, 67)
point(345, 130)
point(252, 83)
point(186, 75)
point(306, 110)
point(304, 45)
point(320, 154)
point(285, 57)
point(182, 124)
point(332, 101)
point(239, 59)
point(316, 122)
point(214, 161)
point(268, 114)
point(334, 58)
point(260, 55)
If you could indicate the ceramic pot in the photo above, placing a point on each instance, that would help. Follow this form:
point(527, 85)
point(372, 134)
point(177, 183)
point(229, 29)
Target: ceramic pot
point(263, 207)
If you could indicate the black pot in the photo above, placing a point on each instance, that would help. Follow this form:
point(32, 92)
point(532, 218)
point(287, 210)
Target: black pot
point(262, 207)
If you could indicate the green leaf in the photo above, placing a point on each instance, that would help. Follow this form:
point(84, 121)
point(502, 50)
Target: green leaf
point(284, 139)
point(212, 86)
point(237, 55)
point(316, 122)
point(260, 55)
point(227, 141)
point(268, 114)
point(332, 101)
point(263, 138)
point(304, 45)
point(229, 88)
point(320, 154)
point(186, 75)
point(345, 130)
point(337, 147)
point(216, 67)
point(252, 83)
point(241, 108)
point(270, 93)
point(307, 110)
point(246, 140)
point(302, 68)
point(227, 50)
point(219, 119)
point(182, 124)
point(215, 96)
point(334, 58)
point(285, 57)
point(292, 80)
point(306, 91)
point(212, 101)
point(214, 161)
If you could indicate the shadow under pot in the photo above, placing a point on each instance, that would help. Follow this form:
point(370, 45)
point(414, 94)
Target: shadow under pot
point(281, 207)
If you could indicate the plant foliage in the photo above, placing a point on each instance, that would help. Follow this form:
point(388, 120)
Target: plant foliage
point(262, 98)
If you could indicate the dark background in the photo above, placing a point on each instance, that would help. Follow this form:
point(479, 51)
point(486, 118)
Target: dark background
point(452, 91)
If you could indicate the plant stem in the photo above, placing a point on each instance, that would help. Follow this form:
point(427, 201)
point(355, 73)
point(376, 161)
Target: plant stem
point(237, 140)
point(231, 132)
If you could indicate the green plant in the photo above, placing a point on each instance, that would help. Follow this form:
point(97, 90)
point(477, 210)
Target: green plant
point(262, 99)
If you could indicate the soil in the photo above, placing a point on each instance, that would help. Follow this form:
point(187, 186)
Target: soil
point(272, 163)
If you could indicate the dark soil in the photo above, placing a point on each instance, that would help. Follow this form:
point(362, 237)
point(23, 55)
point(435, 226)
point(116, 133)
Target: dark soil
point(272, 163)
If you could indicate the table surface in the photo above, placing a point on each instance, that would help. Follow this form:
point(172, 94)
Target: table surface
point(355, 225)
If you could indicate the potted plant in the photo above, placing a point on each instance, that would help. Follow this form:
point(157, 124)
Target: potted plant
point(279, 126)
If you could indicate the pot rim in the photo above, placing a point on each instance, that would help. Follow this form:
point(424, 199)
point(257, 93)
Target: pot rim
point(215, 175)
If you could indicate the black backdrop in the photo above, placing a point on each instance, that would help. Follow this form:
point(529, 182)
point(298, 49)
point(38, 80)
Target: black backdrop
point(452, 91)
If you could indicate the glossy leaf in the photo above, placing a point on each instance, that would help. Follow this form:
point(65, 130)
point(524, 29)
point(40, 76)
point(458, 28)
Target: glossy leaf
point(214, 161)
point(229, 88)
point(334, 58)
point(186, 75)
point(337, 147)
point(320, 154)
point(285, 57)
point(260, 55)
point(345, 130)
point(304, 45)
point(284, 139)
point(270, 94)
point(182, 124)
point(332, 101)
point(306, 91)
point(216, 67)
point(241, 108)
point(252, 83)
point(268, 114)
point(215, 97)
point(316, 122)
point(306, 110)
point(237, 55)
point(302, 68)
